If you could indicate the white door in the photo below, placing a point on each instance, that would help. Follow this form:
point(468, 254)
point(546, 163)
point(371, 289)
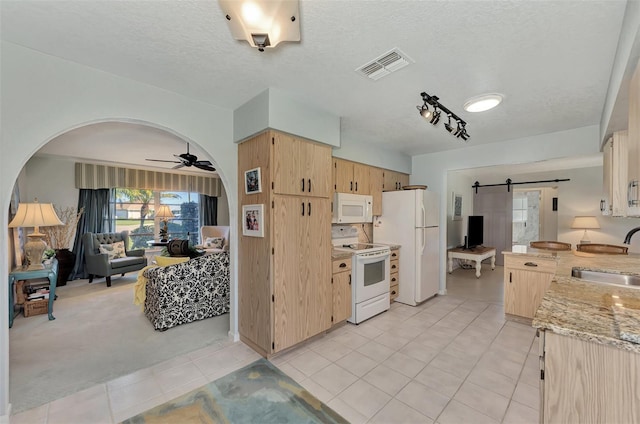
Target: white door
point(428, 264)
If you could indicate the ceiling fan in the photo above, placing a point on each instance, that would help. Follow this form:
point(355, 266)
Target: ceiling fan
point(188, 160)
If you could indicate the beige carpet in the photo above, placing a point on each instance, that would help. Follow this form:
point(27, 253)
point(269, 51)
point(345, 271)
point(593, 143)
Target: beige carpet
point(98, 335)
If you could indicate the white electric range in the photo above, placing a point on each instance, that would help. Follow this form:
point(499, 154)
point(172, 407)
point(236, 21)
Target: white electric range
point(370, 273)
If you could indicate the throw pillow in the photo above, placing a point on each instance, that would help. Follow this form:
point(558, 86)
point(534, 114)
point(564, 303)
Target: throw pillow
point(113, 250)
point(214, 243)
point(169, 260)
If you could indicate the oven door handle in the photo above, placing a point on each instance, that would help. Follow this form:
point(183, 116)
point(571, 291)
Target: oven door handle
point(374, 257)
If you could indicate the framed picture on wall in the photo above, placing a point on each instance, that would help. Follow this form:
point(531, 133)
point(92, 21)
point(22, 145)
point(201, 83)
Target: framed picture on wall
point(252, 183)
point(457, 207)
point(253, 220)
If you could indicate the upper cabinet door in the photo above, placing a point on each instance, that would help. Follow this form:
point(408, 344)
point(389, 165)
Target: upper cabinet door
point(634, 143)
point(361, 179)
point(317, 169)
point(300, 167)
point(287, 177)
point(390, 180)
point(342, 176)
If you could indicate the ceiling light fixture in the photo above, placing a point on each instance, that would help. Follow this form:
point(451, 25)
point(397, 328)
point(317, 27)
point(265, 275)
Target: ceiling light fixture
point(263, 23)
point(483, 102)
point(458, 131)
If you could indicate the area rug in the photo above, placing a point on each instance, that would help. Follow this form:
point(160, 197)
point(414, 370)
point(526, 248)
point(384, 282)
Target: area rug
point(257, 393)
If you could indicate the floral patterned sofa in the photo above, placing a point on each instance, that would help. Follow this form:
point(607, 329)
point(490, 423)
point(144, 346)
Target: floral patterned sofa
point(187, 292)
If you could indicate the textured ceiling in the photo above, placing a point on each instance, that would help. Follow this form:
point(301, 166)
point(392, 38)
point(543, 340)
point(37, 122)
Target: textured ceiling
point(551, 59)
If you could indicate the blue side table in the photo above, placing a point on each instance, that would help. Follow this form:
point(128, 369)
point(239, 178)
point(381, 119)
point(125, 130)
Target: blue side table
point(49, 271)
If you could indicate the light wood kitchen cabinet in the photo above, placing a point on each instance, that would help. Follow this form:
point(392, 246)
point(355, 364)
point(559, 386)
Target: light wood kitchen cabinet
point(587, 382)
point(526, 279)
point(284, 278)
point(300, 167)
point(394, 278)
point(302, 304)
point(615, 175)
point(395, 180)
point(341, 282)
point(634, 144)
point(351, 177)
point(376, 184)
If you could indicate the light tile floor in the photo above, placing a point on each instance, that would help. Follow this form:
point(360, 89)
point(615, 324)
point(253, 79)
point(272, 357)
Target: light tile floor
point(453, 359)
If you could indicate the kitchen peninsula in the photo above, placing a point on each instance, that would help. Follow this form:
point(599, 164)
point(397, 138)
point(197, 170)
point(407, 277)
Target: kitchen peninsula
point(588, 372)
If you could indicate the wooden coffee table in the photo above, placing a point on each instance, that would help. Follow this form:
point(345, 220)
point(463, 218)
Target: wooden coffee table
point(477, 254)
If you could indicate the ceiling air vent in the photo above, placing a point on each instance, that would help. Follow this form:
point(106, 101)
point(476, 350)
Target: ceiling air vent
point(384, 65)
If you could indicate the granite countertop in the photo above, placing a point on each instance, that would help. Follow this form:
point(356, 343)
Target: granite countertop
point(590, 311)
point(340, 254)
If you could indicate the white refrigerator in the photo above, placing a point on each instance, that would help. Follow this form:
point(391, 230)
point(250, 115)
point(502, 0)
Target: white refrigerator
point(410, 219)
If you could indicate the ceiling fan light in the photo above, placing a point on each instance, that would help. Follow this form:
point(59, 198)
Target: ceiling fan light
point(483, 103)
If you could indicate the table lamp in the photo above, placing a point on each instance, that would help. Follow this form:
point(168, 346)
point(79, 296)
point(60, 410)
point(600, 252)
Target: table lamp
point(585, 223)
point(164, 213)
point(35, 215)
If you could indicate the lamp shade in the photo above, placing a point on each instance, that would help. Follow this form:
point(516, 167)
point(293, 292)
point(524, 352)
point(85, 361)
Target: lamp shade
point(35, 215)
point(585, 222)
point(164, 212)
point(263, 23)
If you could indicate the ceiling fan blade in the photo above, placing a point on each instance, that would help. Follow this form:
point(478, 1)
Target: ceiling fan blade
point(160, 160)
point(180, 165)
point(203, 162)
point(203, 166)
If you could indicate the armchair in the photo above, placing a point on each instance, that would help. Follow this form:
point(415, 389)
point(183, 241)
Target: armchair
point(214, 231)
point(99, 264)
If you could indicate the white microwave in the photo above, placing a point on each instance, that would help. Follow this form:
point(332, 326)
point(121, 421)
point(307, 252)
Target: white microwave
point(352, 208)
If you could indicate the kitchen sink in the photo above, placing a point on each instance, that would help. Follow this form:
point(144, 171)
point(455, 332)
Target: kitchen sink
point(632, 281)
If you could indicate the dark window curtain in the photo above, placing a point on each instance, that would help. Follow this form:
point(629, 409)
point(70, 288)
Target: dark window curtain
point(97, 218)
point(208, 210)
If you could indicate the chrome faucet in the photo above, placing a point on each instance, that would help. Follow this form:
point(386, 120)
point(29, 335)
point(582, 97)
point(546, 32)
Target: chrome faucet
point(627, 239)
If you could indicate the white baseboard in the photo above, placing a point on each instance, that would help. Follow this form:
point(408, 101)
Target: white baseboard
point(4, 419)
point(234, 336)
point(442, 292)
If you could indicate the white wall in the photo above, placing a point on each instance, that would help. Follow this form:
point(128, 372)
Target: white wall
point(461, 185)
point(432, 169)
point(44, 96)
point(51, 180)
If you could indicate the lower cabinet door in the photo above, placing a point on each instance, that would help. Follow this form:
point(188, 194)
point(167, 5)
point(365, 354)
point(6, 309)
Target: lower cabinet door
point(341, 296)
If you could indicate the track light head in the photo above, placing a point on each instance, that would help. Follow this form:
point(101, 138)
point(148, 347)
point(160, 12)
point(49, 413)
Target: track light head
point(464, 135)
point(448, 125)
point(424, 111)
point(435, 118)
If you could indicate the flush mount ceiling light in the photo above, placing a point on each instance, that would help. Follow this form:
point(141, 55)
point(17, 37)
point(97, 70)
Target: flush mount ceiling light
point(458, 131)
point(263, 23)
point(483, 102)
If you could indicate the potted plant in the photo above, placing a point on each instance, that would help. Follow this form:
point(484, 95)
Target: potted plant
point(60, 238)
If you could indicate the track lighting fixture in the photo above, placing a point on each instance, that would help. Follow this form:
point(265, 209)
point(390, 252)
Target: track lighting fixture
point(424, 112)
point(458, 131)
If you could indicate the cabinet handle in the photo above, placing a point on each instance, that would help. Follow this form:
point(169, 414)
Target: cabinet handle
point(309, 209)
point(343, 265)
point(309, 185)
point(393, 267)
point(303, 184)
point(530, 264)
point(393, 292)
point(510, 280)
point(602, 206)
point(349, 279)
point(393, 279)
point(302, 208)
point(356, 186)
point(393, 255)
point(351, 186)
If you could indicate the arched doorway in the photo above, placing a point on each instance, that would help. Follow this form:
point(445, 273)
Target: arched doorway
point(95, 137)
